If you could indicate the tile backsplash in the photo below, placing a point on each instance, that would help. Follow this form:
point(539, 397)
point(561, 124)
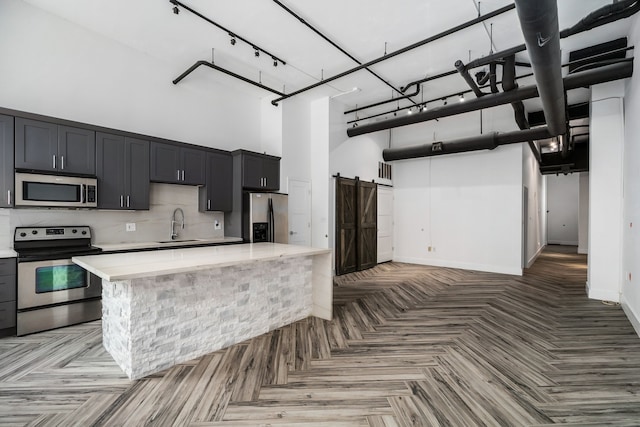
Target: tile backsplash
point(109, 226)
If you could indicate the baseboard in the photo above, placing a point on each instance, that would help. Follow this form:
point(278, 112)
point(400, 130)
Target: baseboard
point(631, 314)
point(563, 242)
point(535, 256)
point(602, 295)
point(461, 265)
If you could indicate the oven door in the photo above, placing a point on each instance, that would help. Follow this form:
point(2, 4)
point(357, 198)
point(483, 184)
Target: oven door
point(43, 283)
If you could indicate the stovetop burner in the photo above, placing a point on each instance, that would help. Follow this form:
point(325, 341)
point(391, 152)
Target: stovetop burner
point(42, 243)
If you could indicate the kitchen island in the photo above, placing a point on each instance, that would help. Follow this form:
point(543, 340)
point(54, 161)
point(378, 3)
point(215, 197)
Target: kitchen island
point(167, 307)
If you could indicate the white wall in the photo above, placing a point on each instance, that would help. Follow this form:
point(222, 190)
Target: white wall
point(535, 219)
point(321, 233)
point(296, 141)
point(53, 67)
point(583, 214)
point(630, 297)
point(466, 207)
point(563, 204)
point(606, 191)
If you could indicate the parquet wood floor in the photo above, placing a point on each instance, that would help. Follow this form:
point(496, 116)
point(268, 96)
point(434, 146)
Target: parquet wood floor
point(409, 346)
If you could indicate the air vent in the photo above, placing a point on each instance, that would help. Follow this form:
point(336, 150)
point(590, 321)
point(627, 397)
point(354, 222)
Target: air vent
point(384, 170)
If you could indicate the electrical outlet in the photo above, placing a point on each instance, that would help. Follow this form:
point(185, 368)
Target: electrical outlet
point(216, 225)
point(131, 226)
point(629, 276)
point(428, 248)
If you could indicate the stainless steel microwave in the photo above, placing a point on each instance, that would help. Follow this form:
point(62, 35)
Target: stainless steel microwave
point(39, 190)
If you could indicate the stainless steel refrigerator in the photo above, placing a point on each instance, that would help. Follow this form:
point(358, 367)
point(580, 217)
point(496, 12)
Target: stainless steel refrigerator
point(265, 217)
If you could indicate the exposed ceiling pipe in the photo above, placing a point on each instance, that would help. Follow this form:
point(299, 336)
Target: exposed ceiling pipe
point(332, 43)
point(225, 71)
point(467, 78)
point(487, 141)
point(400, 51)
point(539, 23)
point(585, 78)
point(493, 80)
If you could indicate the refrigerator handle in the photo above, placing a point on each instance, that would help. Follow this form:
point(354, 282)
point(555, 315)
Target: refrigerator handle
point(272, 222)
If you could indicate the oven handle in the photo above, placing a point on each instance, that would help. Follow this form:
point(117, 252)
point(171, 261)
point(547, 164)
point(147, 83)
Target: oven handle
point(82, 195)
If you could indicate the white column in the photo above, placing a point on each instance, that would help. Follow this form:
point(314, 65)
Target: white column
point(583, 214)
point(605, 191)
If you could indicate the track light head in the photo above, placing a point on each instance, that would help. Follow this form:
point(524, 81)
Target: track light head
point(445, 101)
point(275, 61)
point(232, 41)
point(256, 52)
point(461, 97)
point(176, 10)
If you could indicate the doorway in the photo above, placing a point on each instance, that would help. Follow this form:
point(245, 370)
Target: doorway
point(385, 224)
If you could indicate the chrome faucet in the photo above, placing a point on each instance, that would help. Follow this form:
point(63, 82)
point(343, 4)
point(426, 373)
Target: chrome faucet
point(173, 223)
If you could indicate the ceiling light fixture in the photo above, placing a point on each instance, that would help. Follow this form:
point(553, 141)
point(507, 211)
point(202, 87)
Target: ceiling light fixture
point(410, 111)
point(444, 101)
point(176, 10)
point(256, 53)
point(424, 107)
point(461, 99)
point(275, 61)
point(233, 40)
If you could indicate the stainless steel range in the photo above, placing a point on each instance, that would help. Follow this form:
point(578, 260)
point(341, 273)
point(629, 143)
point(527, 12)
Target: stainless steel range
point(53, 291)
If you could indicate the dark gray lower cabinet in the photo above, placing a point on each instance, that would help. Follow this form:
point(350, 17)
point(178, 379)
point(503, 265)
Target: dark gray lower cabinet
point(7, 293)
point(217, 194)
point(123, 172)
point(7, 173)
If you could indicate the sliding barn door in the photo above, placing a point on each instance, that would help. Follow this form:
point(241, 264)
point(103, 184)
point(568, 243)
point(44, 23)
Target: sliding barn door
point(367, 227)
point(356, 225)
point(346, 216)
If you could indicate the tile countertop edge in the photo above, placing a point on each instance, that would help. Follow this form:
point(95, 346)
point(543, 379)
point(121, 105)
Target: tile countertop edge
point(8, 253)
point(189, 260)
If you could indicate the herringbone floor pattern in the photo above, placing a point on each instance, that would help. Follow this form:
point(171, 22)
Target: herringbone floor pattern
point(409, 346)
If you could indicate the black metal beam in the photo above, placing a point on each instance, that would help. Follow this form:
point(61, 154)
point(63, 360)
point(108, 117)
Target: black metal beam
point(400, 51)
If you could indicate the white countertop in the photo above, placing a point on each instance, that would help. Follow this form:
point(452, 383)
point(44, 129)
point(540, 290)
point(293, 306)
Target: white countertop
point(113, 247)
point(8, 253)
point(132, 265)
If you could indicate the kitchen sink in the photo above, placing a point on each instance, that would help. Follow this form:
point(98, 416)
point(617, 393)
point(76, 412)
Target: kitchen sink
point(178, 241)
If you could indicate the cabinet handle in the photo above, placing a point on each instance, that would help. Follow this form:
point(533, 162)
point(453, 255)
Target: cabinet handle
point(61, 162)
point(265, 181)
point(121, 201)
point(183, 174)
point(54, 161)
point(9, 197)
point(209, 204)
point(178, 176)
point(128, 201)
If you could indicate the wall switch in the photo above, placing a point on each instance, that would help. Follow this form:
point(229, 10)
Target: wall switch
point(216, 225)
point(131, 226)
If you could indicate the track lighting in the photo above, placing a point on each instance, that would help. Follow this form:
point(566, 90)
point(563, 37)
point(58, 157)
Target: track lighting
point(233, 40)
point(275, 61)
point(424, 107)
point(176, 10)
point(256, 53)
point(461, 97)
point(410, 111)
point(444, 101)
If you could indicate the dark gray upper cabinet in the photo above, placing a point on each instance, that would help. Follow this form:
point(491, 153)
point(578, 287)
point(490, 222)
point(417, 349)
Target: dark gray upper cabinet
point(49, 147)
point(6, 162)
point(259, 171)
point(123, 172)
point(217, 194)
point(177, 164)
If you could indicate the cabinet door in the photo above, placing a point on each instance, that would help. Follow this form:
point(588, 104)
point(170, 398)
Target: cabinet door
point(110, 171)
point(136, 174)
point(36, 145)
point(165, 163)
point(252, 171)
point(271, 173)
point(219, 182)
point(7, 173)
point(76, 150)
point(193, 166)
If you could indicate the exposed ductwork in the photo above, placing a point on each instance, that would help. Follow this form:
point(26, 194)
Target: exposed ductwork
point(585, 78)
point(488, 141)
point(509, 84)
point(539, 22)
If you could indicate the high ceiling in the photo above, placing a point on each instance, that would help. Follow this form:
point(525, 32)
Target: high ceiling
point(364, 28)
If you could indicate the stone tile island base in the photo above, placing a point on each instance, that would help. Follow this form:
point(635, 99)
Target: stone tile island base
point(152, 323)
